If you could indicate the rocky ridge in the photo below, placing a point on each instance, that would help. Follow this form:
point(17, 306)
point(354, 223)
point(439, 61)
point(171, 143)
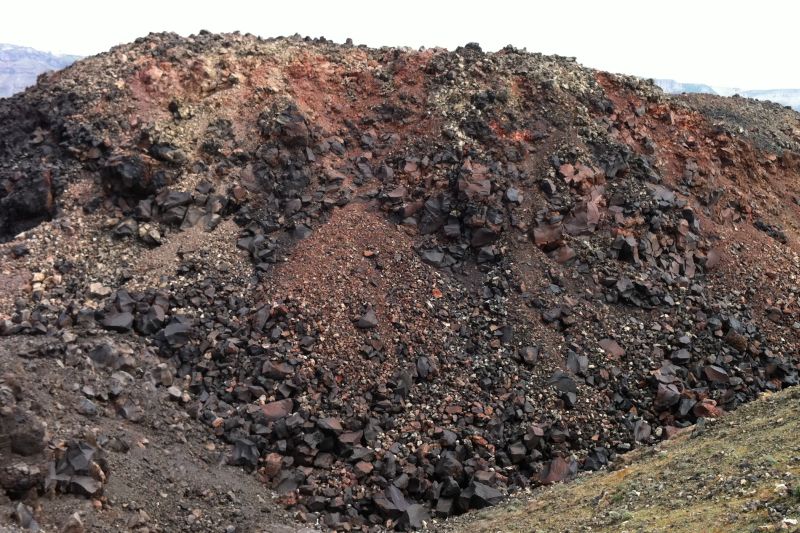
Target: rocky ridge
point(396, 285)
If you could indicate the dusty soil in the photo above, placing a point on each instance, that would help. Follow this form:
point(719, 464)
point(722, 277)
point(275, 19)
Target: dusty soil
point(166, 472)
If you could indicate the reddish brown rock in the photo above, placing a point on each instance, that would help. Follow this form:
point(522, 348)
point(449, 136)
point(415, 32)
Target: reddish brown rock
point(736, 340)
point(273, 463)
point(612, 348)
point(707, 408)
point(716, 374)
point(277, 410)
point(547, 234)
point(559, 469)
point(363, 468)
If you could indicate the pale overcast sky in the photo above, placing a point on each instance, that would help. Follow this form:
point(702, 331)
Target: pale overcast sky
point(724, 43)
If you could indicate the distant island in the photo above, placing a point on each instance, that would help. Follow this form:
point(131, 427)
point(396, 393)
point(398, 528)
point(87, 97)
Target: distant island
point(20, 65)
point(787, 97)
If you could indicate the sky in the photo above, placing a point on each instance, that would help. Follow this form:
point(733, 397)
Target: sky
point(748, 45)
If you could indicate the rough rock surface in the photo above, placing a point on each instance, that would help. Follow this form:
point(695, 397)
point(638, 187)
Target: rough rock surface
point(395, 285)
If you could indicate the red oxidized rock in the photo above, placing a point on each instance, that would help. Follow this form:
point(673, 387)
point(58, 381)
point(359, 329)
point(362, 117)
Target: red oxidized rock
point(278, 410)
point(707, 408)
point(559, 469)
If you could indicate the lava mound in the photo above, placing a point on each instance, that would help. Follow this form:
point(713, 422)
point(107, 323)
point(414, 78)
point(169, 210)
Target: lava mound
point(398, 285)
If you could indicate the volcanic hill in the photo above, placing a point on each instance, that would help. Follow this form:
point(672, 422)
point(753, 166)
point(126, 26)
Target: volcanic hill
point(389, 285)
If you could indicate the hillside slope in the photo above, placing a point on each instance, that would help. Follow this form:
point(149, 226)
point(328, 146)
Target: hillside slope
point(739, 473)
point(396, 285)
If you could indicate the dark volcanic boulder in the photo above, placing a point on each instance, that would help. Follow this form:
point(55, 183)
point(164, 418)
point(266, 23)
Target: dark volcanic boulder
point(21, 431)
point(131, 176)
point(288, 126)
point(25, 201)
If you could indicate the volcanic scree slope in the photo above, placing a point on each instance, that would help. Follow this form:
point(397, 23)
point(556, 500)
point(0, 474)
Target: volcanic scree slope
point(394, 284)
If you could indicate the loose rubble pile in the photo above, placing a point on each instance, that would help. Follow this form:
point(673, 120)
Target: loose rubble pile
point(397, 285)
point(76, 467)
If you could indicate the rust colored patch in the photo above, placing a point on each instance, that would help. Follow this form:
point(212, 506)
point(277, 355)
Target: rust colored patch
point(329, 276)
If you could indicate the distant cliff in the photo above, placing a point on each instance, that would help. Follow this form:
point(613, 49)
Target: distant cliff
point(676, 87)
point(788, 97)
point(19, 66)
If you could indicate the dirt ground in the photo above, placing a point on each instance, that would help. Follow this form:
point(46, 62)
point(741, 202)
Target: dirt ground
point(174, 476)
